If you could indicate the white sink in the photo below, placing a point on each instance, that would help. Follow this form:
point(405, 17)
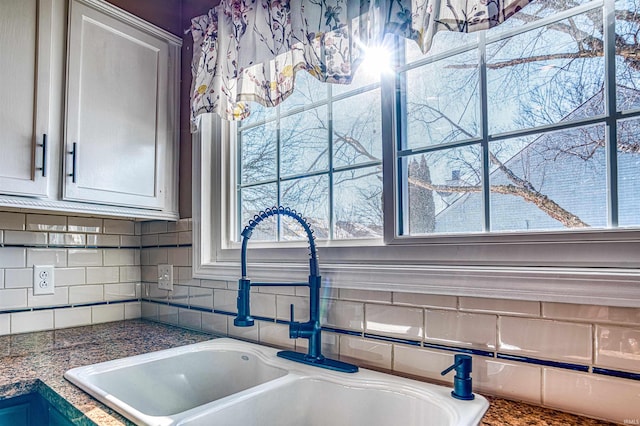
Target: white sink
point(228, 382)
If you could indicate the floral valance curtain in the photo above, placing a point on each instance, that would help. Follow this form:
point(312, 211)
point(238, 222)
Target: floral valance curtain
point(250, 50)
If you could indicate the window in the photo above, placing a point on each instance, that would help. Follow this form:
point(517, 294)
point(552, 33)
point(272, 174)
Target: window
point(510, 165)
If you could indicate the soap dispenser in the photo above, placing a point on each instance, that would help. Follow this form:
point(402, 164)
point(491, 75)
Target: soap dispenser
point(462, 379)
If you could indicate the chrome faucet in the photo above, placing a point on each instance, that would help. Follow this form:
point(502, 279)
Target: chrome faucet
point(311, 329)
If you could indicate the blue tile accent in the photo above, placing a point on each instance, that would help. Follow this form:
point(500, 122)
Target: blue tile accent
point(392, 339)
point(266, 319)
point(616, 373)
point(218, 311)
point(341, 331)
point(201, 309)
point(16, 310)
point(76, 305)
point(479, 352)
point(557, 364)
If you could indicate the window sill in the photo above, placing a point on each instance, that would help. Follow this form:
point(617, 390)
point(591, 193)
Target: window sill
point(596, 286)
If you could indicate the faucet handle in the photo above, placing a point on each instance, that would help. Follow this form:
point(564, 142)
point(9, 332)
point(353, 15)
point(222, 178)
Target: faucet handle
point(294, 327)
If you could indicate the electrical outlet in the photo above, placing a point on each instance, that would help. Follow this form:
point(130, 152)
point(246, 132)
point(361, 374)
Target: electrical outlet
point(43, 280)
point(165, 277)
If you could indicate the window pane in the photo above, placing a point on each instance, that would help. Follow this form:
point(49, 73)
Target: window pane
point(310, 197)
point(307, 90)
point(258, 147)
point(357, 134)
point(304, 145)
point(544, 76)
point(629, 172)
point(258, 113)
point(442, 101)
point(364, 76)
point(627, 61)
point(254, 200)
point(358, 203)
point(443, 41)
point(534, 11)
point(444, 191)
point(550, 181)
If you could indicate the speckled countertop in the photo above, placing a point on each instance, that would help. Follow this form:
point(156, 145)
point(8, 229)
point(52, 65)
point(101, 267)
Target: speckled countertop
point(37, 361)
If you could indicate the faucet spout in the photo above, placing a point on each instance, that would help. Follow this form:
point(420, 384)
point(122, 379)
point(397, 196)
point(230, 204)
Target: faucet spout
point(311, 330)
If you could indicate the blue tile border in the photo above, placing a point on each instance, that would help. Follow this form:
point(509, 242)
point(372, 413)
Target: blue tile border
point(469, 351)
point(340, 331)
point(616, 373)
point(75, 305)
point(546, 363)
point(392, 339)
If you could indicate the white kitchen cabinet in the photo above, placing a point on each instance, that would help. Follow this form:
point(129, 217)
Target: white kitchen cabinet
point(98, 79)
point(25, 59)
point(121, 120)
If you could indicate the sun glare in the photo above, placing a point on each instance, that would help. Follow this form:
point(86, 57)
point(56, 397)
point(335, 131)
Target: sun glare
point(377, 59)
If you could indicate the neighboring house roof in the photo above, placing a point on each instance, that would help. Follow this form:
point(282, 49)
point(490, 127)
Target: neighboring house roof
point(578, 185)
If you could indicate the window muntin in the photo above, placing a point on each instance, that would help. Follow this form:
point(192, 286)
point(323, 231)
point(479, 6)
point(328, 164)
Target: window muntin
point(323, 158)
point(499, 121)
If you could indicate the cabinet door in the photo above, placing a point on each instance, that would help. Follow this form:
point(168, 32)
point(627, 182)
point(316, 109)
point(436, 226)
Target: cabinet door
point(25, 60)
point(117, 132)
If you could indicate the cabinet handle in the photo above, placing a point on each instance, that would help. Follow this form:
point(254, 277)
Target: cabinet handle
point(74, 156)
point(44, 155)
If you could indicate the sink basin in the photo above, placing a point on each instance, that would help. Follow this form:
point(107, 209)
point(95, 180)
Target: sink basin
point(228, 382)
point(159, 387)
point(360, 402)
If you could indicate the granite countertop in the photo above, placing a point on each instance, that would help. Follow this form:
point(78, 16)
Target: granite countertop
point(36, 362)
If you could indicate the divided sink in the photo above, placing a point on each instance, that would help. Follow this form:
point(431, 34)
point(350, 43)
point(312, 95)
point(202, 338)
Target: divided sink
point(229, 382)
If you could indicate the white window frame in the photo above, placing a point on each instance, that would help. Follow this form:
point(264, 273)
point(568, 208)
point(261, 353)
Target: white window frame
point(595, 266)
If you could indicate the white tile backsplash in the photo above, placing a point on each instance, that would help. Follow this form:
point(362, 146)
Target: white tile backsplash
point(26, 238)
point(59, 298)
point(107, 313)
point(70, 276)
point(13, 257)
point(55, 257)
point(394, 321)
point(460, 329)
point(344, 314)
point(365, 351)
point(122, 227)
point(591, 313)
point(593, 395)
point(86, 294)
point(618, 347)
point(19, 278)
point(275, 334)
point(85, 257)
point(84, 224)
point(103, 274)
point(213, 323)
point(14, 221)
point(40, 222)
point(546, 339)
point(67, 240)
point(25, 322)
point(13, 298)
point(122, 291)
point(72, 317)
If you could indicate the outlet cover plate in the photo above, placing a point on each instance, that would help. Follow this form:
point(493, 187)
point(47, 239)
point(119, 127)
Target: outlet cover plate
point(165, 277)
point(43, 280)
